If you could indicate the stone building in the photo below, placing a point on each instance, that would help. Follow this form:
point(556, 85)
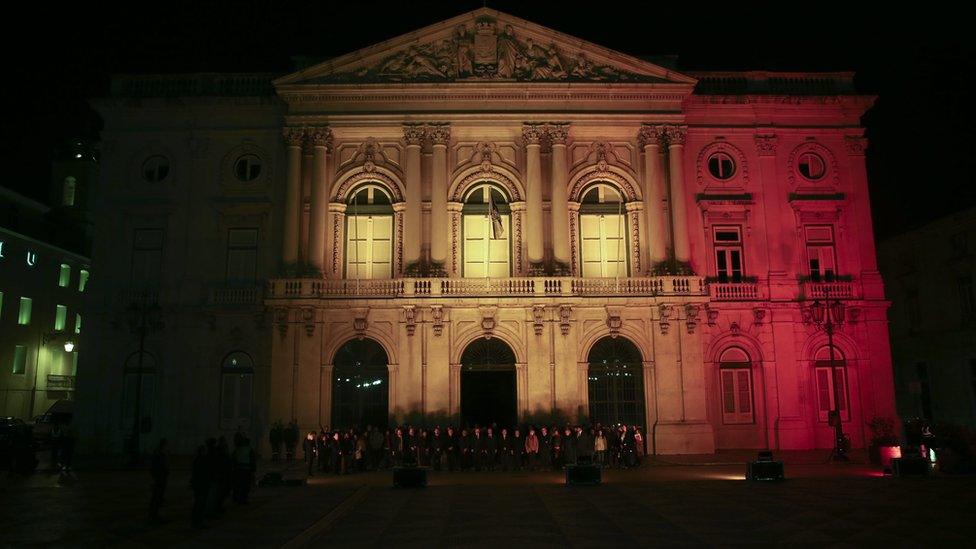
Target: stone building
point(488, 219)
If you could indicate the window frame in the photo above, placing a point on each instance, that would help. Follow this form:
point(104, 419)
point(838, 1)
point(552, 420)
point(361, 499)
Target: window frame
point(236, 249)
point(369, 211)
point(727, 249)
point(25, 310)
point(259, 163)
point(719, 156)
point(482, 209)
point(14, 370)
point(140, 250)
point(801, 160)
point(822, 364)
point(602, 209)
point(231, 371)
point(733, 370)
point(821, 247)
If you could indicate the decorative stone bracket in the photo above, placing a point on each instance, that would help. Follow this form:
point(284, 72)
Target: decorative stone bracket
point(308, 319)
point(437, 317)
point(359, 322)
point(488, 321)
point(758, 316)
point(614, 321)
point(281, 319)
point(711, 315)
point(410, 318)
point(664, 312)
point(565, 316)
point(538, 318)
point(691, 316)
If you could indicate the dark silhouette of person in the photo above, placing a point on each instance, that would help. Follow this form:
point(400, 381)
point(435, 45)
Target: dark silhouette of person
point(200, 481)
point(159, 469)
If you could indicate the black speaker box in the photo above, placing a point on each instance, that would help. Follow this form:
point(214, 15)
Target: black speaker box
point(583, 475)
point(409, 477)
point(910, 466)
point(764, 470)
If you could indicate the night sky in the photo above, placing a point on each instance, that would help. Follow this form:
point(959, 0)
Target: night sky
point(921, 65)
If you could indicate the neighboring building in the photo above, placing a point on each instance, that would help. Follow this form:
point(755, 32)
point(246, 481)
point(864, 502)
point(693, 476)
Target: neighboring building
point(933, 318)
point(487, 219)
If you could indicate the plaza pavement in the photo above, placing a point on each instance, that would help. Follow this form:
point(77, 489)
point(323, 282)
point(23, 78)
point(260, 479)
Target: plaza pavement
point(675, 501)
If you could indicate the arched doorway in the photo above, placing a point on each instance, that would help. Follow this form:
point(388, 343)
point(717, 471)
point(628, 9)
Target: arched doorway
point(360, 385)
point(488, 393)
point(615, 382)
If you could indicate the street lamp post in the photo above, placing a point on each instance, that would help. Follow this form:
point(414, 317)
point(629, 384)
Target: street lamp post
point(144, 316)
point(828, 316)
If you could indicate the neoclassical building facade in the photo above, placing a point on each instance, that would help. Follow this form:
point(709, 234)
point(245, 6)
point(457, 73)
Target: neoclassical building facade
point(485, 220)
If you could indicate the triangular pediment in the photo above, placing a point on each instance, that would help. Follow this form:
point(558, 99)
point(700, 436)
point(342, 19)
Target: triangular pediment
point(484, 46)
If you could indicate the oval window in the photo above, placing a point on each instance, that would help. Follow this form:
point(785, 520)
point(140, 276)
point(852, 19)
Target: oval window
point(811, 166)
point(247, 168)
point(721, 166)
point(155, 169)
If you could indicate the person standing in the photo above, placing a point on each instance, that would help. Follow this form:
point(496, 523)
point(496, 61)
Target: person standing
point(159, 469)
point(310, 449)
point(505, 450)
point(518, 449)
point(491, 449)
point(600, 447)
point(200, 481)
point(451, 449)
point(375, 448)
point(243, 463)
point(465, 446)
point(276, 438)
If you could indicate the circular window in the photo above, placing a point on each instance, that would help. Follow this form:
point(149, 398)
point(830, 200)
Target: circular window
point(247, 168)
point(811, 166)
point(721, 166)
point(155, 169)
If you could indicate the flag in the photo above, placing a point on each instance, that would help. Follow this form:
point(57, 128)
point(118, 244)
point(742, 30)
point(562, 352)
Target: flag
point(497, 229)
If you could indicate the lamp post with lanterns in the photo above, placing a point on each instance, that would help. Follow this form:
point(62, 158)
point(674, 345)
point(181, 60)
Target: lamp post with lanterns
point(145, 317)
point(828, 315)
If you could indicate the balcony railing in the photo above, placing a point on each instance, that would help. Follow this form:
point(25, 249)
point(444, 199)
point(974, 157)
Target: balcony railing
point(234, 296)
point(734, 291)
point(490, 287)
point(56, 382)
point(829, 290)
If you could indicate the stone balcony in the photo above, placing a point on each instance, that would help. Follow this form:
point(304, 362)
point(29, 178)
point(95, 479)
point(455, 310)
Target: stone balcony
point(829, 290)
point(297, 288)
point(736, 291)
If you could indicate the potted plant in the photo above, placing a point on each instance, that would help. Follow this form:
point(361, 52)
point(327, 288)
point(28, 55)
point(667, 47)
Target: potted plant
point(885, 444)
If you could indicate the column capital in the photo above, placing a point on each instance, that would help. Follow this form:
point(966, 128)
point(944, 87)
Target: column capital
point(454, 206)
point(650, 135)
point(766, 144)
point(532, 133)
point(517, 206)
point(320, 136)
point(634, 206)
point(440, 134)
point(676, 135)
point(855, 144)
point(399, 207)
point(337, 207)
point(294, 137)
point(573, 206)
point(557, 132)
point(414, 134)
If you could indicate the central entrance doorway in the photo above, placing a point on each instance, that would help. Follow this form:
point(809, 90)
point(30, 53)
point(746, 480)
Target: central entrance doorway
point(360, 385)
point(488, 393)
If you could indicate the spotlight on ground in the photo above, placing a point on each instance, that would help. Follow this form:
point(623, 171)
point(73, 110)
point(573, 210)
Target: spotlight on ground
point(583, 474)
point(911, 464)
point(764, 468)
point(409, 477)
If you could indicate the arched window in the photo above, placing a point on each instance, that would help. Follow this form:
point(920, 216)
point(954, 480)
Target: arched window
point(603, 232)
point(735, 373)
point(369, 234)
point(236, 390)
point(360, 385)
point(831, 383)
point(139, 378)
point(68, 191)
point(486, 231)
point(615, 382)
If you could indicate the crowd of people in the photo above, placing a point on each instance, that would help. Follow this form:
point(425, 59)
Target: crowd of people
point(218, 472)
point(477, 448)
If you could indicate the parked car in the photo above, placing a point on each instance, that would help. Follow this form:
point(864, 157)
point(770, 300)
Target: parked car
point(61, 412)
point(16, 446)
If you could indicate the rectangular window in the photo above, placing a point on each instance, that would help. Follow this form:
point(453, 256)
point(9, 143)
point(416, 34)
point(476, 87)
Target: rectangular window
point(147, 257)
point(736, 395)
point(20, 359)
point(60, 318)
point(728, 253)
point(82, 279)
point(485, 256)
point(24, 317)
point(235, 400)
point(967, 299)
point(825, 391)
point(65, 275)
point(77, 323)
point(74, 363)
point(369, 246)
point(132, 382)
point(821, 255)
point(603, 245)
point(242, 256)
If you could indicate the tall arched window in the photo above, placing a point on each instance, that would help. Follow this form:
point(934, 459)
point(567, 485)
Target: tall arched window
point(236, 390)
point(360, 385)
point(603, 232)
point(369, 234)
point(735, 373)
point(831, 383)
point(488, 383)
point(68, 191)
point(486, 231)
point(615, 382)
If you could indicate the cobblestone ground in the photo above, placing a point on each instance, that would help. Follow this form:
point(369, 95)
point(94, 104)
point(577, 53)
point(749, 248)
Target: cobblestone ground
point(702, 502)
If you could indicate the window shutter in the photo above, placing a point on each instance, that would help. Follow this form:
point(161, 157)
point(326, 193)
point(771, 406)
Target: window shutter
point(745, 397)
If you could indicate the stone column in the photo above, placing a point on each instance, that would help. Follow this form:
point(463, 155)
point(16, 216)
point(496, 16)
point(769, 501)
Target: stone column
point(654, 195)
point(293, 195)
point(560, 200)
point(574, 252)
point(535, 251)
point(679, 212)
point(637, 238)
point(441, 136)
point(325, 395)
point(413, 134)
point(454, 212)
point(518, 240)
point(337, 211)
point(399, 209)
point(321, 139)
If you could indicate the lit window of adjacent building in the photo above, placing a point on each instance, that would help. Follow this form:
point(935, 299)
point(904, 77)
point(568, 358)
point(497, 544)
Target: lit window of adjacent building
point(147, 257)
point(486, 230)
point(74, 363)
point(369, 234)
point(77, 323)
point(967, 299)
point(831, 383)
point(20, 359)
point(24, 317)
point(242, 256)
point(735, 372)
point(811, 166)
point(82, 279)
point(60, 318)
point(1, 305)
point(821, 254)
point(64, 275)
point(247, 168)
point(237, 381)
point(603, 233)
point(155, 169)
point(728, 253)
point(68, 191)
point(721, 166)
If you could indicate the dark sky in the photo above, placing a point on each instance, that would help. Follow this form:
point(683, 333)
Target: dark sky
point(921, 65)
